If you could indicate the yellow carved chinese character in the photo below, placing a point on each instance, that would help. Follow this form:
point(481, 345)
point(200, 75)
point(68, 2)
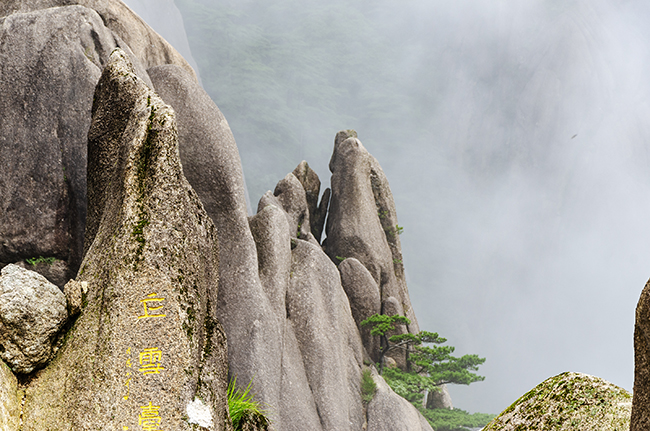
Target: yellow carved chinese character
point(149, 418)
point(148, 308)
point(127, 384)
point(150, 360)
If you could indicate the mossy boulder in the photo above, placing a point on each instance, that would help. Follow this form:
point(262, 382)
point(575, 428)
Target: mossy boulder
point(568, 401)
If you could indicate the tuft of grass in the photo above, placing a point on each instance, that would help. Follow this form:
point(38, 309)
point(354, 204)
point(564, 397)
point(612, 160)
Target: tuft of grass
point(36, 260)
point(242, 407)
point(368, 386)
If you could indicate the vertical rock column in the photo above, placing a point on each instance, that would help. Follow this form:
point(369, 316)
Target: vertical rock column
point(640, 420)
point(147, 351)
point(362, 224)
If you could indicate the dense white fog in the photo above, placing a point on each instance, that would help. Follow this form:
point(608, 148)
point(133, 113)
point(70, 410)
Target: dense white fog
point(525, 203)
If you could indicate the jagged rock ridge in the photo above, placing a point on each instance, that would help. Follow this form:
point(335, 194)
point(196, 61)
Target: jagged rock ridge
point(292, 324)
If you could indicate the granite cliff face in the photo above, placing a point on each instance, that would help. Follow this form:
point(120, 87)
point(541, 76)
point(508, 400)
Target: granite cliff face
point(125, 171)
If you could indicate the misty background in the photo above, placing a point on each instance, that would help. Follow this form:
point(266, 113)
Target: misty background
point(515, 139)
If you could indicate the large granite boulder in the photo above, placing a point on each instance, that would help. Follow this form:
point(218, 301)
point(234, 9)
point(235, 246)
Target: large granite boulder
point(568, 401)
point(440, 399)
point(50, 61)
point(387, 411)
point(641, 404)
point(147, 350)
point(32, 312)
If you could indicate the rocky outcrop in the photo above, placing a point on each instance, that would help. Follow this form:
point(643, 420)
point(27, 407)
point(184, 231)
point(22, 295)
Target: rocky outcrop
point(32, 312)
point(641, 404)
point(50, 61)
point(322, 352)
point(147, 348)
point(568, 401)
point(362, 224)
point(311, 184)
point(439, 399)
point(147, 45)
point(387, 411)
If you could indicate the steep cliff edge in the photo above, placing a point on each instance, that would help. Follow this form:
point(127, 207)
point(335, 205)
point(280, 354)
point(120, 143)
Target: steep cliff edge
point(289, 307)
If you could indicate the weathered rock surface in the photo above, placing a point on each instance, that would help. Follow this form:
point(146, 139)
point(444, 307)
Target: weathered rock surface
point(32, 312)
point(147, 348)
point(322, 351)
point(327, 337)
point(50, 62)
point(291, 195)
point(147, 45)
point(362, 222)
point(150, 244)
point(212, 165)
point(568, 401)
point(389, 412)
point(10, 400)
point(311, 184)
point(641, 403)
point(363, 294)
point(439, 399)
point(75, 293)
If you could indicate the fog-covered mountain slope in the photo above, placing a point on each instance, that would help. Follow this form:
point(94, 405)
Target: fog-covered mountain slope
point(515, 137)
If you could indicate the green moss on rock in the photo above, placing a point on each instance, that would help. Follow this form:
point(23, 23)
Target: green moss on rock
point(568, 401)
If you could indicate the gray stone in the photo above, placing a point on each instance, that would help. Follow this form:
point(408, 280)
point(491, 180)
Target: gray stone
point(568, 401)
point(291, 195)
point(641, 404)
point(10, 399)
point(272, 236)
point(387, 411)
point(363, 294)
point(75, 293)
point(32, 312)
point(50, 61)
point(147, 45)
point(392, 306)
point(311, 183)
point(212, 165)
point(297, 408)
point(440, 399)
point(327, 336)
point(362, 221)
point(147, 348)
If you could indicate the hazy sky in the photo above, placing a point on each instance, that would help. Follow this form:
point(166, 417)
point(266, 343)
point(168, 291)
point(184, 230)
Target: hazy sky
point(524, 207)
